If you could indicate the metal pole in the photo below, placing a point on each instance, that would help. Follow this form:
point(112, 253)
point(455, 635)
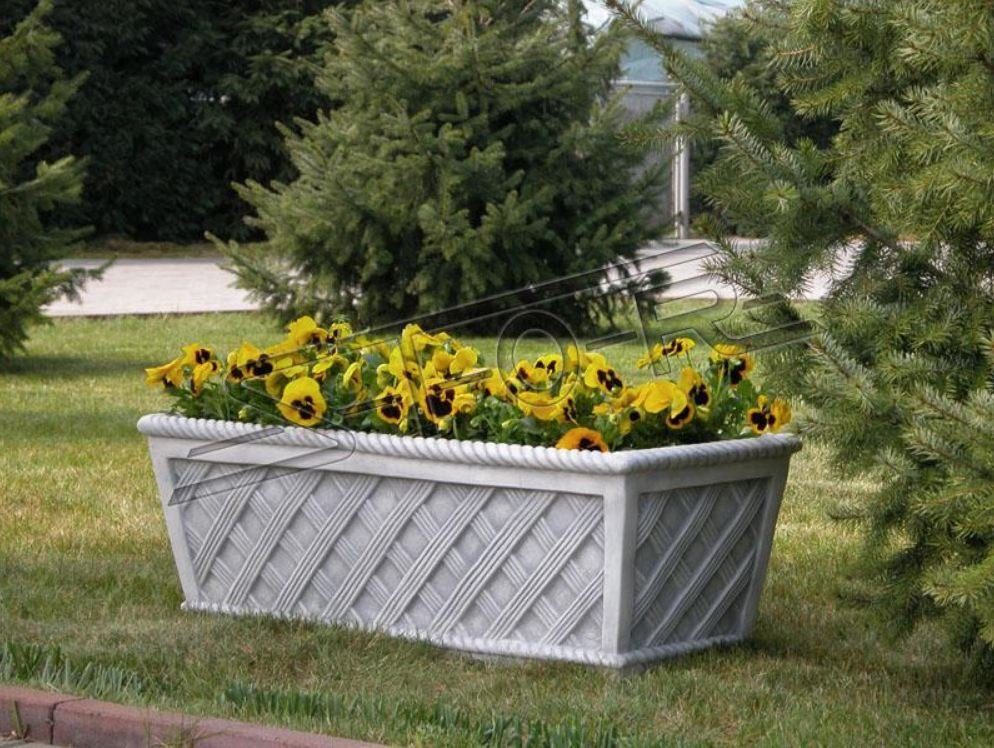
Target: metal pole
point(681, 172)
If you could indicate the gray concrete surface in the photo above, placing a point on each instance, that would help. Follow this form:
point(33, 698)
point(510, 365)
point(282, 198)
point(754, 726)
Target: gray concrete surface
point(155, 286)
point(171, 286)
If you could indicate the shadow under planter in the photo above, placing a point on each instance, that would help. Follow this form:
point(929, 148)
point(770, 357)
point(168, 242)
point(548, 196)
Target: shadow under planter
point(608, 559)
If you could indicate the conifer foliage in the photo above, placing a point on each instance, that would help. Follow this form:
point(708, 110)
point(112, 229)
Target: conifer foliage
point(33, 95)
point(472, 149)
point(900, 204)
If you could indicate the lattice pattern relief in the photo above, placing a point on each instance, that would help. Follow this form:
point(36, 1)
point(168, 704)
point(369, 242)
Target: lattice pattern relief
point(419, 556)
point(695, 555)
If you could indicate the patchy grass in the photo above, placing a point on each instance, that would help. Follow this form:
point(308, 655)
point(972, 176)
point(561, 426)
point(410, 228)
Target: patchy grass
point(120, 247)
point(89, 602)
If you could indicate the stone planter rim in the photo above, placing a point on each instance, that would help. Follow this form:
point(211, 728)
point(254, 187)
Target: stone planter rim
point(704, 454)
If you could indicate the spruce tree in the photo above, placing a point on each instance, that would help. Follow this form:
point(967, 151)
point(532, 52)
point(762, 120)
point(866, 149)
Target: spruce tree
point(900, 204)
point(472, 148)
point(180, 100)
point(33, 95)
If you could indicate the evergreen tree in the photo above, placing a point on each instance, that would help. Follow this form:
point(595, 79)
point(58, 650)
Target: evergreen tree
point(900, 204)
point(737, 46)
point(181, 99)
point(33, 95)
point(472, 149)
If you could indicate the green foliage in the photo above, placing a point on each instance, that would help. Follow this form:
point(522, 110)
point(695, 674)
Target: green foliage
point(404, 714)
point(33, 96)
point(473, 149)
point(51, 667)
point(741, 46)
point(181, 100)
point(900, 204)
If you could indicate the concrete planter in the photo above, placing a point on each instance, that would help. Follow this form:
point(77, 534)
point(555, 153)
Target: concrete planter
point(608, 559)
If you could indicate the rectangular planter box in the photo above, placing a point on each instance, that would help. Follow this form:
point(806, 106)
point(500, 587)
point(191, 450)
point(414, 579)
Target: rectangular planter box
point(608, 559)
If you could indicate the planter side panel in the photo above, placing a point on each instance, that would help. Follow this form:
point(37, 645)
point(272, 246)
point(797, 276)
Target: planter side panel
point(438, 559)
point(696, 551)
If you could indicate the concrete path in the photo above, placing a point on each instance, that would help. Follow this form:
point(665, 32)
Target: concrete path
point(170, 286)
point(155, 286)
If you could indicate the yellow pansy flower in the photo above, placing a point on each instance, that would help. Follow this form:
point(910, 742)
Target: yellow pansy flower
point(694, 386)
point(541, 405)
point(628, 419)
point(583, 439)
point(599, 374)
point(567, 409)
point(493, 385)
point(526, 372)
point(392, 406)
point(659, 395)
point(168, 375)
point(677, 419)
point(464, 360)
point(677, 346)
point(284, 348)
point(352, 377)
point(203, 372)
point(196, 354)
point(440, 400)
point(576, 359)
point(305, 331)
point(325, 364)
point(248, 361)
point(768, 417)
point(552, 364)
point(439, 363)
point(413, 340)
point(446, 364)
point(733, 361)
point(338, 332)
point(302, 402)
point(284, 371)
point(400, 367)
point(653, 355)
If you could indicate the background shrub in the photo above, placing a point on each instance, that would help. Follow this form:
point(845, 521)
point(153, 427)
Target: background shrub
point(900, 204)
point(737, 47)
point(180, 100)
point(33, 95)
point(472, 148)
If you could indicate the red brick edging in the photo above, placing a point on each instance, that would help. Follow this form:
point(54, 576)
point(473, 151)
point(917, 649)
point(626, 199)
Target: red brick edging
point(59, 719)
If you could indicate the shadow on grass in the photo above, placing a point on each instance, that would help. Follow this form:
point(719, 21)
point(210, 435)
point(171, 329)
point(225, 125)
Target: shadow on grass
point(48, 366)
point(57, 426)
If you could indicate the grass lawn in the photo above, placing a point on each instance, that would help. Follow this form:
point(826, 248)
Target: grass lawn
point(89, 602)
point(119, 247)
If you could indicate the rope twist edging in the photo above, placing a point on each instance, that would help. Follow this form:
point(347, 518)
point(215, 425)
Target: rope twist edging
point(475, 452)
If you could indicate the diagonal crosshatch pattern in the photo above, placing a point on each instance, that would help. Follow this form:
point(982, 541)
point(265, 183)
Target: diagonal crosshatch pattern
point(695, 554)
point(389, 553)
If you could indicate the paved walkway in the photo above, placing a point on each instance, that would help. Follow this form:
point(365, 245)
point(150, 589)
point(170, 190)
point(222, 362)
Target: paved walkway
point(170, 286)
point(155, 286)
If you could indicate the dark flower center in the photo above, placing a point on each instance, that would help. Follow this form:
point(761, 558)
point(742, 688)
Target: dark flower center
point(305, 408)
point(700, 395)
point(438, 405)
point(679, 418)
point(260, 367)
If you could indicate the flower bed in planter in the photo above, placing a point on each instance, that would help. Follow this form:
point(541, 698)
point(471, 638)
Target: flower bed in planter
point(610, 559)
point(482, 536)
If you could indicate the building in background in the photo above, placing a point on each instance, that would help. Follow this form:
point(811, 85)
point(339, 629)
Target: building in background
point(645, 81)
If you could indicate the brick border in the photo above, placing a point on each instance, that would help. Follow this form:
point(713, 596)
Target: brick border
point(60, 719)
